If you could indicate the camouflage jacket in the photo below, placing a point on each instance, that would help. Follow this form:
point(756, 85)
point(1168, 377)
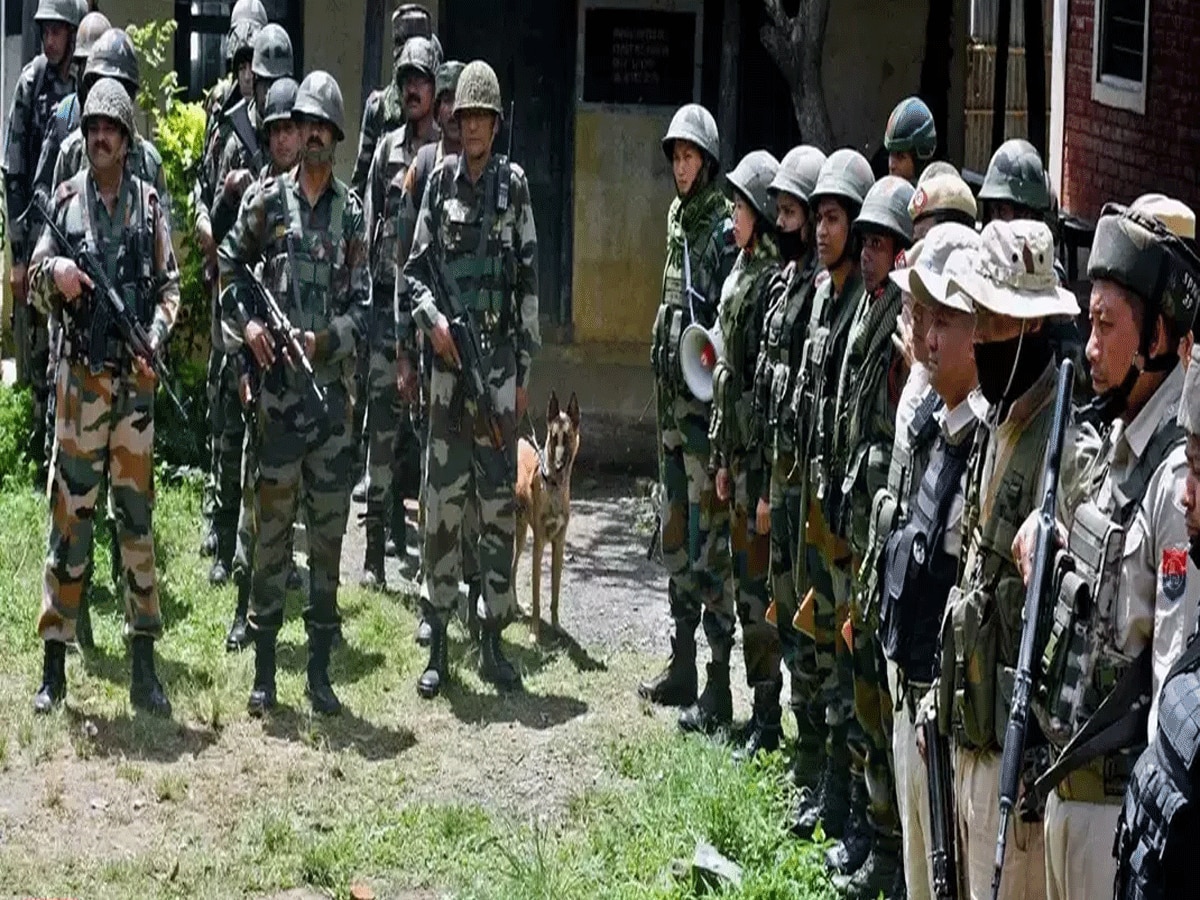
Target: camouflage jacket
point(497, 281)
point(220, 97)
point(233, 157)
point(382, 113)
point(64, 121)
point(415, 180)
point(134, 245)
point(382, 202)
point(38, 91)
point(144, 162)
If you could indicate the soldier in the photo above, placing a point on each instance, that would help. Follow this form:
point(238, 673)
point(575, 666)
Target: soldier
point(788, 308)
point(388, 426)
point(307, 228)
point(837, 199)
point(910, 138)
point(1144, 589)
point(868, 858)
point(106, 399)
point(1014, 186)
point(738, 458)
point(1013, 293)
point(283, 144)
point(43, 83)
point(241, 161)
point(922, 530)
point(695, 525)
point(941, 198)
point(475, 239)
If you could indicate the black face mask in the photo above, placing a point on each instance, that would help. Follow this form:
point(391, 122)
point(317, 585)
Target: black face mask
point(998, 364)
point(792, 244)
point(1194, 551)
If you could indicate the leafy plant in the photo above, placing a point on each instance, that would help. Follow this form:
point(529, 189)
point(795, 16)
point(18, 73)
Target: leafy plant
point(16, 424)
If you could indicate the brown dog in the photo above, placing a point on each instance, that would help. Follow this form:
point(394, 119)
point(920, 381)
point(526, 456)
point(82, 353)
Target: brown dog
point(544, 501)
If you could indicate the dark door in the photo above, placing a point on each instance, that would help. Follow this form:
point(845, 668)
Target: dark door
point(532, 50)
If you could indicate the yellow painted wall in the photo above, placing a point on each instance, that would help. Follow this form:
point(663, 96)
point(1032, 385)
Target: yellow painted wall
point(623, 189)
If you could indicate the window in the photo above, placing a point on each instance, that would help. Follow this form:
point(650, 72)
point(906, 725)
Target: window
point(1120, 53)
point(200, 39)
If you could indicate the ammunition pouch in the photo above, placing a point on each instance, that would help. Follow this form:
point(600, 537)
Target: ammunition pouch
point(664, 352)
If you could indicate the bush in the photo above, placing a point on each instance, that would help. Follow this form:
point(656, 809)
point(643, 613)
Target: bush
point(16, 424)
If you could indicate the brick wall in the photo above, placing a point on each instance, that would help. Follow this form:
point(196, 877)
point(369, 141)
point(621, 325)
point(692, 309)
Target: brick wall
point(1114, 154)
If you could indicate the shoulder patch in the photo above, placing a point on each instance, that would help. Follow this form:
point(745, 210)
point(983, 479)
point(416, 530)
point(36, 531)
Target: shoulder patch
point(1173, 572)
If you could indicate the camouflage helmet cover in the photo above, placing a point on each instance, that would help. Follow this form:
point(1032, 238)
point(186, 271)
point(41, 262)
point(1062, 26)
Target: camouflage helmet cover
point(319, 97)
point(798, 171)
point(65, 11)
point(91, 27)
point(281, 97)
point(108, 99)
point(272, 53)
point(447, 77)
point(1016, 175)
point(886, 208)
point(113, 56)
point(752, 179)
point(248, 11)
point(418, 55)
point(846, 175)
point(408, 21)
point(478, 88)
point(695, 124)
point(910, 129)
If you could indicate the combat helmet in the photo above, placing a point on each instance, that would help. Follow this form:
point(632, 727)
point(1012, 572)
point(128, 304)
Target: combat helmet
point(798, 171)
point(113, 56)
point(319, 97)
point(108, 99)
point(752, 179)
point(1016, 175)
point(91, 27)
point(447, 77)
point(693, 123)
point(846, 175)
point(910, 129)
point(65, 11)
point(412, 20)
point(420, 56)
point(248, 11)
point(272, 53)
point(478, 88)
point(281, 97)
point(885, 208)
point(248, 18)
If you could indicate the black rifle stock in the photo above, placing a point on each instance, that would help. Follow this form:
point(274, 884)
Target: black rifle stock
point(471, 382)
point(1036, 590)
point(942, 821)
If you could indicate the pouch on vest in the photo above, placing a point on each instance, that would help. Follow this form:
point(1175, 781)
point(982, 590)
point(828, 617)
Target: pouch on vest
point(972, 623)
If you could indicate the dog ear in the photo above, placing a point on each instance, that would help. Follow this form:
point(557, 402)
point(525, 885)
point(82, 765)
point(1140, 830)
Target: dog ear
point(573, 410)
point(552, 410)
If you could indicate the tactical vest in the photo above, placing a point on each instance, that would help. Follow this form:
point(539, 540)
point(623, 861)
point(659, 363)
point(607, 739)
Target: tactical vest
point(917, 573)
point(385, 237)
point(783, 351)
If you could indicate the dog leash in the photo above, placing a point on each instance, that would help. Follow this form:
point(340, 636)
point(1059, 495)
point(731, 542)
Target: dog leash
point(537, 447)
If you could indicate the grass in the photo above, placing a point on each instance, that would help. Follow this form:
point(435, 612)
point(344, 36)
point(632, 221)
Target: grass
point(572, 790)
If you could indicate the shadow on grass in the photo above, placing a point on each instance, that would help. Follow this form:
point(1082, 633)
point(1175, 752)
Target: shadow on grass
point(348, 664)
point(116, 668)
point(559, 639)
point(346, 731)
point(139, 736)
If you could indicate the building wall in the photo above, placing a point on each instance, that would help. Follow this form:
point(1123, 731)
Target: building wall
point(1114, 154)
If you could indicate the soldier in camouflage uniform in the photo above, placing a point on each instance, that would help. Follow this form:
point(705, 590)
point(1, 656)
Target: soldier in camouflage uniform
point(475, 241)
point(283, 144)
point(695, 524)
point(105, 398)
point(822, 557)
point(43, 83)
point(241, 160)
point(390, 434)
point(910, 139)
point(307, 228)
point(789, 306)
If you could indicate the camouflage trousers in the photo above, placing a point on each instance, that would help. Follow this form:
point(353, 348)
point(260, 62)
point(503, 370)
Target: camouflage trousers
point(37, 349)
point(104, 422)
point(695, 524)
point(463, 467)
point(392, 452)
point(750, 554)
point(308, 466)
point(227, 422)
point(247, 526)
point(826, 561)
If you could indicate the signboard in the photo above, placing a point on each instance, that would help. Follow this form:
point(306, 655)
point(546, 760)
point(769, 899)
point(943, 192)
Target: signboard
point(638, 57)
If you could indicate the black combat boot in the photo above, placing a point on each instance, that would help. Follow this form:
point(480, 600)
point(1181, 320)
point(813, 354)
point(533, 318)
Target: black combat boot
point(359, 494)
point(765, 729)
point(397, 538)
point(208, 545)
point(808, 753)
point(262, 694)
point(424, 634)
point(877, 874)
point(145, 690)
point(238, 639)
point(83, 624)
point(437, 670)
point(713, 711)
point(493, 667)
point(222, 560)
point(318, 689)
point(848, 855)
point(676, 684)
point(54, 677)
point(829, 804)
point(373, 575)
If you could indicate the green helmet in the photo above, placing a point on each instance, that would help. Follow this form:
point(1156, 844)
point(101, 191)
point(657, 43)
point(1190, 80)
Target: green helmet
point(696, 124)
point(910, 129)
point(248, 11)
point(412, 20)
point(846, 175)
point(272, 53)
point(886, 208)
point(281, 97)
point(108, 99)
point(1016, 175)
point(319, 97)
point(65, 11)
point(798, 171)
point(752, 179)
point(447, 77)
point(420, 56)
point(91, 27)
point(113, 56)
point(478, 88)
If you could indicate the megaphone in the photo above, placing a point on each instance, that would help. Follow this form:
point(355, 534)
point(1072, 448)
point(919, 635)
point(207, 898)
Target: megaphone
point(699, 350)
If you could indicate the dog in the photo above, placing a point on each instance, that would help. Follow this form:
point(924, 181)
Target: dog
point(544, 501)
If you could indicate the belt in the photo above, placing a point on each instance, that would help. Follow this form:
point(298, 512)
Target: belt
point(908, 692)
point(1092, 784)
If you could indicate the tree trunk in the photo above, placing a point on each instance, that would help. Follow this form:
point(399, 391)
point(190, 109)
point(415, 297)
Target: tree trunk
point(796, 44)
point(374, 26)
point(727, 108)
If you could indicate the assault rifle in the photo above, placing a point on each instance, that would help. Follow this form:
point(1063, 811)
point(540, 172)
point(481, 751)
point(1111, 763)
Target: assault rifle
point(943, 828)
point(1036, 592)
point(239, 120)
point(111, 304)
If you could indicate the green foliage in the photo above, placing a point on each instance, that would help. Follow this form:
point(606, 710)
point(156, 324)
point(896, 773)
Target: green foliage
point(16, 424)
